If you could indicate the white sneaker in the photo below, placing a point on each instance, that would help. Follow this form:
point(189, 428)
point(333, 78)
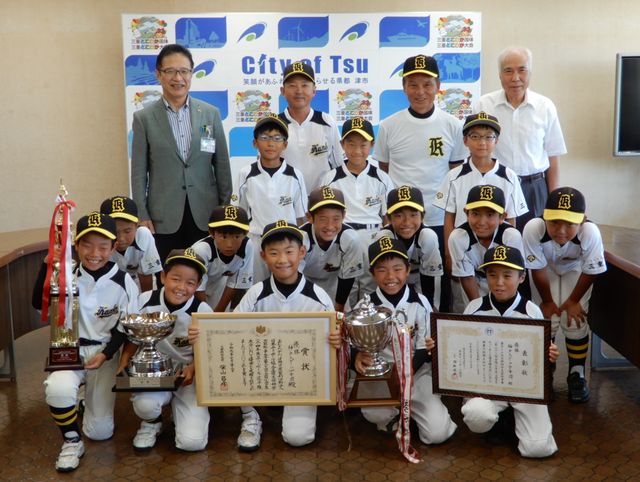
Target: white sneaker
point(69, 457)
point(250, 431)
point(147, 434)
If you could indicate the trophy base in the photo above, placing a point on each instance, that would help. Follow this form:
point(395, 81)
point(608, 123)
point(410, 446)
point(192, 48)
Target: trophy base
point(382, 391)
point(168, 383)
point(63, 358)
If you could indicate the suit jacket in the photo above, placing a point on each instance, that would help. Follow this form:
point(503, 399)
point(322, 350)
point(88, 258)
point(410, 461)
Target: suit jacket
point(161, 181)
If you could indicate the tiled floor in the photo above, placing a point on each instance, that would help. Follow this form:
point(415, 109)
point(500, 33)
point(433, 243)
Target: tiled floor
point(599, 440)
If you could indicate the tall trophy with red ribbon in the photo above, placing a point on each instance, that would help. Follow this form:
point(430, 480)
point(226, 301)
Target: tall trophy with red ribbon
point(60, 300)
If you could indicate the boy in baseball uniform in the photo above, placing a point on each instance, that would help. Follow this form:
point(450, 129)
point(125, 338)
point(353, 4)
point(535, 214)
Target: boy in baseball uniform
point(565, 253)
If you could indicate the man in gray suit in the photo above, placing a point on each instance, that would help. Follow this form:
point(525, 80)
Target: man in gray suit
point(180, 162)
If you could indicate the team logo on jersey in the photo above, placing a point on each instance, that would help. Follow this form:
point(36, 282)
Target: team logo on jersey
point(486, 193)
point(117, 205)
point(298, 67)
point(439, 195)
point(285, 200)
point(421, 62)
point(329, 268)
point(234, 197)
point(564, 202)
point(318, 149)
point(372, 201)
point(327, 193)
point(230, 213)
point(404, 193)
point(385, 244)
point(95, 220)
point(531, 258)
point(500, 254)
point(436, 147)
point(106, 312)
point(181, 342)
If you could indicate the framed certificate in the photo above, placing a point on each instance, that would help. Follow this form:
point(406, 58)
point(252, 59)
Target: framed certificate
point(491, 356)
point(265, 359)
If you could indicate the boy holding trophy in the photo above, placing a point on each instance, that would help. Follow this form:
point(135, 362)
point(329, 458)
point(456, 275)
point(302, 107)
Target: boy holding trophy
point(106, 294)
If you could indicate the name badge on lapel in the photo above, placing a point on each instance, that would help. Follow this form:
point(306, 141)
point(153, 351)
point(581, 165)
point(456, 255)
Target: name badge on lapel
point(207, 141)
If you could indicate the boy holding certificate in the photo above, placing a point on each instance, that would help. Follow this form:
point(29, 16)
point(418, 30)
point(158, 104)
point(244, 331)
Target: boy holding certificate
point(504, 267)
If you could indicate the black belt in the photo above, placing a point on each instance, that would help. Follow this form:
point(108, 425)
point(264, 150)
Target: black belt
point(86, 342)
point(532, 177)
point(364, 226)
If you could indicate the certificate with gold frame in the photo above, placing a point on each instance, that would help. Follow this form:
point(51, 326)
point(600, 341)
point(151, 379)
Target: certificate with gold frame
point(493, 357)
point(265, 359)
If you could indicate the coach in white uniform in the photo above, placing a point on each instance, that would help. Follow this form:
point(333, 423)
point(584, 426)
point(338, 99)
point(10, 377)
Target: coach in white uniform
point(419, 145)
point(531, 139)
point(314, 141)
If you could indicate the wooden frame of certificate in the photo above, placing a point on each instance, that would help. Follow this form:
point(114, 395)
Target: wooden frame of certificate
point(253, 359)
point(493, 357)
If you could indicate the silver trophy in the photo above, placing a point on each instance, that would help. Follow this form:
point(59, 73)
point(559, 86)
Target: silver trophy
point(369, 329)
point(148, 369)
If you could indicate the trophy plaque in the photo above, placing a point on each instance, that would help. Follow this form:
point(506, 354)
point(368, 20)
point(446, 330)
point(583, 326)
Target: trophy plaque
point(60, 298)
point(149, 369)
point(369, 329)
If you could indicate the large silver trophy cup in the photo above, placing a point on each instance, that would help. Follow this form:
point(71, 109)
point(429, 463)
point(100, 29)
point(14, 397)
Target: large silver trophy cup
point(148, 369)
point(369, 329)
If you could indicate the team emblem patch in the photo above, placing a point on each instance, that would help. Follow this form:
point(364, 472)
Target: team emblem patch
point(482, 116)
point(327, 193)
point(385, 244)
point(421, 62)
point(404, 193)
point(439, 195)
point(190, 253)
point(486, 193)
point(298, 67)
point(230, 213)
point(531, 258)
point(95, 220)
point(500, 253)
point(357, 123)
point(117, 205)
point(282, 224)
point(564, 201)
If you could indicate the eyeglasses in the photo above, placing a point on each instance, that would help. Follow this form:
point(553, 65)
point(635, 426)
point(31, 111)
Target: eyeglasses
point(184, 73)
point(266, 138)
point(478, 137)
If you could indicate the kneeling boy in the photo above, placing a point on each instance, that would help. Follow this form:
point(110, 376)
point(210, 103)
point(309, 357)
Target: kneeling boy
point(389, 264)
point(183, 271)
point(504, 267)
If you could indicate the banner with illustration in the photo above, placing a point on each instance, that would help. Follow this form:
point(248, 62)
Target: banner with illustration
point(357, 58)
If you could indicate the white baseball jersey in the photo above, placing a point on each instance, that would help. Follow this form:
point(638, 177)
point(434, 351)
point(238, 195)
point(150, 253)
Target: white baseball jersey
point(529, 133)
point(423, 252)
point(365, 195)
point(452, 196)
point(313, 147)
point(419, 151)
point(345, 258)
point(583, 253)
point(268, 198)
point(141, 257)
point(104, 302)
point(264, 296)
point(176, 345)
point(236, 273)
point(467, 253)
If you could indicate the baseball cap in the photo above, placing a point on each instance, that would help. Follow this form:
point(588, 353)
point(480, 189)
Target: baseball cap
point(405, 196)
point(421, 64)
point(384, 246)
point(359, 125)
point(481, 119)
point(97, 223)
point(273, 120)
point(298, 68)
point(120, 207)
point(189, 255)
point(326, 196)
point(228, 215)
point(280, 226)
point(565, 204)
point(487, 196)
point(504, 256)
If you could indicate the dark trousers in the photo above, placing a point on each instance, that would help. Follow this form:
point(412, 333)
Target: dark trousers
point(187, 234)
point(445, 281)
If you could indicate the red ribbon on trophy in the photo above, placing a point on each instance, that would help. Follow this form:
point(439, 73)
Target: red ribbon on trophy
point(343, 365)
point(60, 242)
point(401, 344)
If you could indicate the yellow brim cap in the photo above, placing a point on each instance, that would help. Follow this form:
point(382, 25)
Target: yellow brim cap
point(562, 215)
point(403, 204)
point(485, 204)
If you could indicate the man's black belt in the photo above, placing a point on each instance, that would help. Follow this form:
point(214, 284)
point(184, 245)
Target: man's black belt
point(364, 226)
point(86, 342)
point(532, 177)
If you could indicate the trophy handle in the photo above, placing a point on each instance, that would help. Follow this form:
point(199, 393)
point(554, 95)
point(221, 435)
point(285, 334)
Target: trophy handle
point(401, 313)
